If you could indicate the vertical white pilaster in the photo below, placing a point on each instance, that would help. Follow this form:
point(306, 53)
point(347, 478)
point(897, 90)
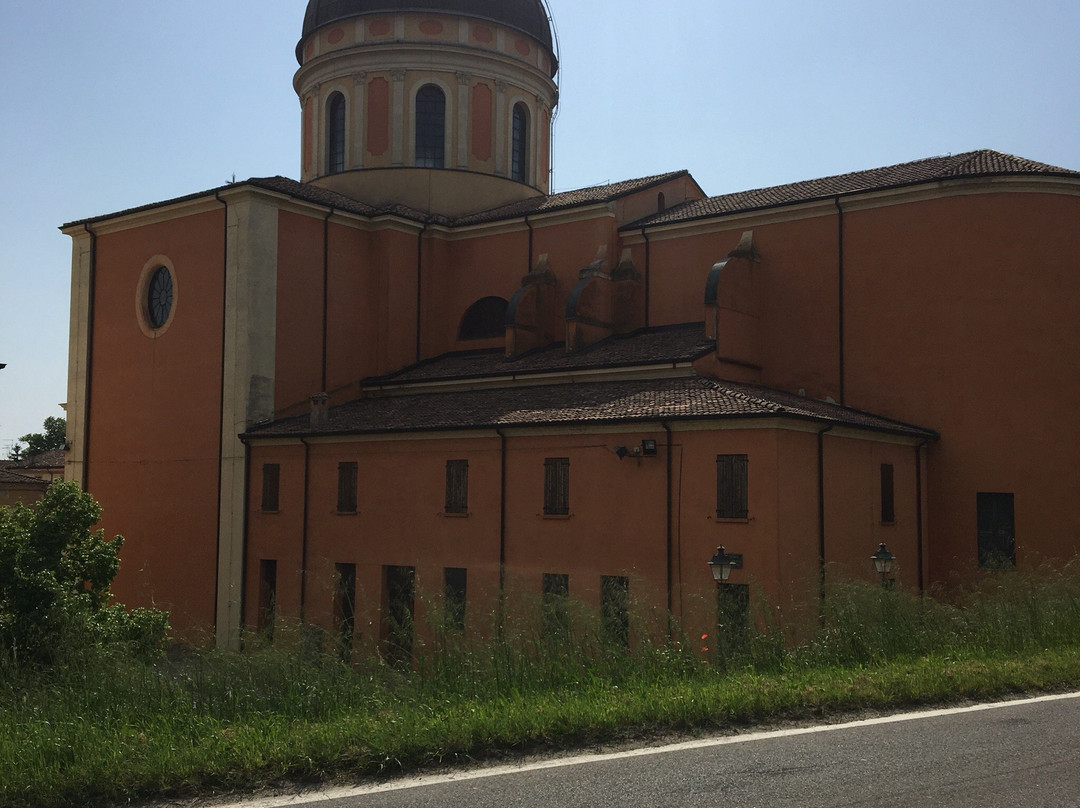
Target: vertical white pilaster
point(248, 383)
point(464, 80)
point(500, 129)
point(397, 116)
point(359, 110)
point(78, 355)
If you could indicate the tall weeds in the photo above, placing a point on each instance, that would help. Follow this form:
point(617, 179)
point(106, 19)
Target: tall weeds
point(107, 726)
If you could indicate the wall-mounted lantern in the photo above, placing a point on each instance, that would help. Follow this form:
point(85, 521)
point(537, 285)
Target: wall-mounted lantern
point(883, 564)
point(723, 563)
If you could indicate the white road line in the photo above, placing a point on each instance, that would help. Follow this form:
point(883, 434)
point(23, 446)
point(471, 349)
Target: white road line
point(330, 794)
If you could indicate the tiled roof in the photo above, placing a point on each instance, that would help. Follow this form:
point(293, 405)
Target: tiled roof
point(11, 478)
point(52, 459)
point(596, 194)
point(331, 199)
point(611, 402)
point(984, 163)
point(683, 343)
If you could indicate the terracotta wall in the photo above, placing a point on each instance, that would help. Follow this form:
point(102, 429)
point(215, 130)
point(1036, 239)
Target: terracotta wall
point(961, 314)
point(617, 524)
point(155, 416)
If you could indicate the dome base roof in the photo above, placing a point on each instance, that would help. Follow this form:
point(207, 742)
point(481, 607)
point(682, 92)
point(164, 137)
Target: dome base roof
point(527, 16)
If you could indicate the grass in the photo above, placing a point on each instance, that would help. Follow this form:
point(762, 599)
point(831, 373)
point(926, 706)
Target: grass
point(103, 728)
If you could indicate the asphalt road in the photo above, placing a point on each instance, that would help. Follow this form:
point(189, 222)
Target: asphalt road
point(1024, 753)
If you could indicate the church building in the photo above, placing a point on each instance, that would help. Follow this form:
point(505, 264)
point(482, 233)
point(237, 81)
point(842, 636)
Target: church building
point(417, 376)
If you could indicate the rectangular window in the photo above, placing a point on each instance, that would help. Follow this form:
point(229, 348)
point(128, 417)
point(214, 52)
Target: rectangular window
point(615, 609)
point(271, 478)
point(264, 621)
point(346, 487)
point(455, 581)
point(732, 620)
point(399, 597)
point(997, 531)
point(345, 608)
point(557, 486)
point(888, 508)
point(457, 486)
point(555, 606)
point(731, 499)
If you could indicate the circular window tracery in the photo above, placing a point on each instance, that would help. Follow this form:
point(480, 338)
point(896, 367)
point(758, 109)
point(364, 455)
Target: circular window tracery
point(156, 297)
point(159, 297)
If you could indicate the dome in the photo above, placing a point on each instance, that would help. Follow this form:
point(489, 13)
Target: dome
point(527, 16)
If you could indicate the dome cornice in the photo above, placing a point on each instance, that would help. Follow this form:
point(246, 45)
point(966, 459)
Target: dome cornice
point(528, 16)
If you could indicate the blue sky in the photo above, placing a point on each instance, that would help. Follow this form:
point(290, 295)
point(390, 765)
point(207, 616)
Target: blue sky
point(108, 104)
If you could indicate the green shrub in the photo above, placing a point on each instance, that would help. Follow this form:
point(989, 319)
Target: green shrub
point(55, 574)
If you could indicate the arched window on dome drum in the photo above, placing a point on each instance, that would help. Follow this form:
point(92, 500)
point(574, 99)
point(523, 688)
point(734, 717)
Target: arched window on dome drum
point(519, 160)
point(335, 137)
point(484, 319)
point(430, 127)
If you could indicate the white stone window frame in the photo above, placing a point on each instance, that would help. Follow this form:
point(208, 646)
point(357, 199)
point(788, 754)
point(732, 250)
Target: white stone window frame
point(448, 119)
point(533, 170)
point(323, 134)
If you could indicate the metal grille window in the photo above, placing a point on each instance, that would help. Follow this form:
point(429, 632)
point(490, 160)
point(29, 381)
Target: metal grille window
point(271, 478)
point(430, 127)
point(335, 138)
point(556, 606)
point(557, 486)
point(519, 167)
point(996, 530)
point(455, 582)
point(457, 486)
point(615, 609)
point(345, 608)
point(346, 487)
point(888, 503)
point(267, 598)
point(731, 500)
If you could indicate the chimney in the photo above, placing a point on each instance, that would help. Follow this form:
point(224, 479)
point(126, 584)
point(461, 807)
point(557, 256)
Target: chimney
point(320, 410)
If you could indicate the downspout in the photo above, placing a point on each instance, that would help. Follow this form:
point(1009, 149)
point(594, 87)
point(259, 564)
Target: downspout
point(670, 532)
point(840, 291)
point(648, 265)
point(419, 278)
point(529, 257)
point(821, 512)
point(221, 400)
point(502, 527)
point(325, 294)
point(90, 357)
point(304, 534)
point(919, 515)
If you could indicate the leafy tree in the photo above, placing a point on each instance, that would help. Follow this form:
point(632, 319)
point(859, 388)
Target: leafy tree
point(54, 436)
point(55, 574)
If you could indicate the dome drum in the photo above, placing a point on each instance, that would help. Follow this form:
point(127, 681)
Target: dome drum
point(461, 87)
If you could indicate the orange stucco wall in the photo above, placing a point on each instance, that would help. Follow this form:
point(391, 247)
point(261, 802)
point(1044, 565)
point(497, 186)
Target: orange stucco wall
point(155, 416)
point(617, 525)
point(959, 314)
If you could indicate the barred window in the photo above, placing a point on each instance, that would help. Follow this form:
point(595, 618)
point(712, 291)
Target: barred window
point(346, 489)
point(731, 500)
point(430, 127)
point(457, 486)
point(556, 610)
point(557, 486)
point(455, 584)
